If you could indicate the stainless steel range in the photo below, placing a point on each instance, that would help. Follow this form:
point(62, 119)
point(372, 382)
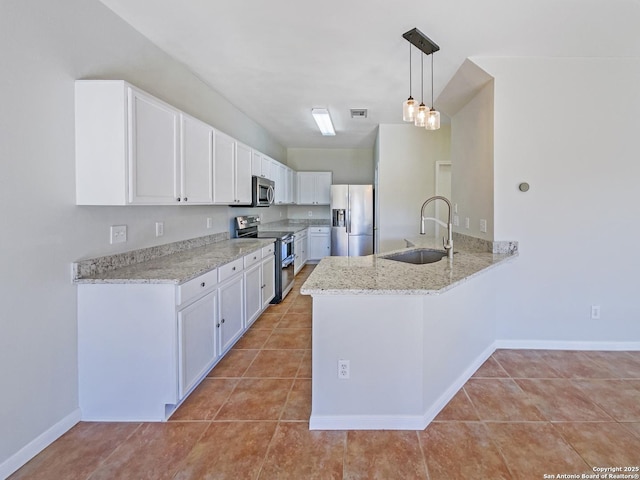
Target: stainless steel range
point(247, 227)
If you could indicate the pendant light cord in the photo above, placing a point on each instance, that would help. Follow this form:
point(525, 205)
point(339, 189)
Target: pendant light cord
point(432, 105)
point(422, 77)
point(410, 71)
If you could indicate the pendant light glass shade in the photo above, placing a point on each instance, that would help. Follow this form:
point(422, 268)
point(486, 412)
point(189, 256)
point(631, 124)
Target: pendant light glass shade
point(409, 110)
point(433, 116)
point(421, 116)
point(433, 120)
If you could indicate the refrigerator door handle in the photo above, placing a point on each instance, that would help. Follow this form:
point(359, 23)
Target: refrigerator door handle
point(348, 212)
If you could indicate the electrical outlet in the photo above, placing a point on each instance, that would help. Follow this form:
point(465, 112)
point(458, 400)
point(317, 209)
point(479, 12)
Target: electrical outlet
point(483, 226)
point(595, 312)
point(466, 222)
point(455, 208)
point(343, 369)
point(118, 234)
point(310, 213)
point(209, 222)
point(456, 221)
point(159, 229)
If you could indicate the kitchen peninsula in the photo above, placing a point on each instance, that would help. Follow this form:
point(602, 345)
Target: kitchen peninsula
point(407, 345)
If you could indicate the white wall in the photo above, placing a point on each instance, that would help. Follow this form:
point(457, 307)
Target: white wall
point(569, 127)
point(44, 47)
point(406, 178)
point(472, 163)
point(349, 165)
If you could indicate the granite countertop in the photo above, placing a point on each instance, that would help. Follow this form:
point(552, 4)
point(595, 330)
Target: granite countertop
point(293, 226)
point(182, 266)
point(376, 275)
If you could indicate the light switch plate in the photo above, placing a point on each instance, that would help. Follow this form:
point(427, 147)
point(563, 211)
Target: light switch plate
point(159, 229)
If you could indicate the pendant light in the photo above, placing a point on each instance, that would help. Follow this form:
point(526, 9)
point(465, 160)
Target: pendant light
point(433, 117)
point(421, 115)
point(409, 106)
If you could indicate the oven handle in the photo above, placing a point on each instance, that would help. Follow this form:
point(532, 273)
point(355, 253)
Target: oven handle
point(288, 261)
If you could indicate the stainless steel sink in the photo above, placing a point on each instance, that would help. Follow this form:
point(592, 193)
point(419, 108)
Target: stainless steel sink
point(420, 256)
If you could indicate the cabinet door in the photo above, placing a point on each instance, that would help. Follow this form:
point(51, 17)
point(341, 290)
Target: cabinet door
point(253, 293)
point(278, 178)
point(293, 189)
point(306, 188)
point(223, 169)
point(243, 173)
point(268, 280)
point(153, 151)
point(231, 315)
point(319, 245)
point(265, 166)
point(197, 161)
point(196, 341)
point(256, 163)
point(323, 188)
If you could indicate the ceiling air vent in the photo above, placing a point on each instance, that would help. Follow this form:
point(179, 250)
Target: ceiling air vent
point(358, 113)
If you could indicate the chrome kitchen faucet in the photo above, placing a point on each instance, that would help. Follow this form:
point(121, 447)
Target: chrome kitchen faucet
point(448, 245)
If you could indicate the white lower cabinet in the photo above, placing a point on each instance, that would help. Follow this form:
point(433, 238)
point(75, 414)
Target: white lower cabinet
point(231, 319)
point(319, 242)
point(300, 251)
point(197, 341)
point(259, 281)
point(142, 348)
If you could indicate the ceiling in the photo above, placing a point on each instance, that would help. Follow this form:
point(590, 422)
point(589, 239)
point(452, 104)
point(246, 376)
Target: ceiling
point(276, 60)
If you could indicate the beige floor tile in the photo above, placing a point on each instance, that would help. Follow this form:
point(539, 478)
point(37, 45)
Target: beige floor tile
point(256, 399)
point(602, 444)
point(525, 364)
point(295, 320)
point(560, 400)
point(461, 450)
point(205, 401)
point(621, 364)
point(289, 338)
point(490, 369)
point(531, 450)
point(275, 364)
point(76, 454)
point(383, 455)
point(619, 398)
point(297, 453)
point(459, 408)
point(228, 450)
point(154, 452)
point(501, 399)
point(298, 406)
point(572, 364)
point(267, 321)
point(305, 367)
point(234, 364)
point(253, 339)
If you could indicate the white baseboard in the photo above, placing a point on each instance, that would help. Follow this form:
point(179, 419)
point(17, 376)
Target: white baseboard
point(399, 422)
point(566, 345)
point(366, 422)
point(38, 444)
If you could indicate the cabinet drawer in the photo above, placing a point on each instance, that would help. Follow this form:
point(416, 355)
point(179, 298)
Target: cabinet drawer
point(230, 269)
point(319, 229)
point(193, 288)
point(300, 235)
point(268, 250)
point(252, 258)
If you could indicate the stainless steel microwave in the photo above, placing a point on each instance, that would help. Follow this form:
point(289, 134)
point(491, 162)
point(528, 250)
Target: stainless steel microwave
point(263, 192)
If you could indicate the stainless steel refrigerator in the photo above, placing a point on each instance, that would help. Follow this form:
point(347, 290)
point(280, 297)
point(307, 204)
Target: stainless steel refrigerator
point(351, 220)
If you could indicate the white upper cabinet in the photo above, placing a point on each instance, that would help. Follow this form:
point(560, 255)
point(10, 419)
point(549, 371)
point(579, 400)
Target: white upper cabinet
point(231, 171)
point(314, 188)
point(154, 167)
point(279, 177)
point(134, 149)
point(224, 190)
point(243, 173)
point(197, 161)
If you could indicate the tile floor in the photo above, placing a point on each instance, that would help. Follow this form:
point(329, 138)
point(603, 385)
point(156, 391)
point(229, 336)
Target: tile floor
point(524, 414)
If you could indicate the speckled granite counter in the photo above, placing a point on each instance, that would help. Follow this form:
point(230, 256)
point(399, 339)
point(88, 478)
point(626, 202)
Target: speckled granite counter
point(376, 275)
point(293, 226)
point(181, 266)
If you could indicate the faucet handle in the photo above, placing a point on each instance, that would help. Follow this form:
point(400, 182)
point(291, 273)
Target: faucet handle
point(446, 245)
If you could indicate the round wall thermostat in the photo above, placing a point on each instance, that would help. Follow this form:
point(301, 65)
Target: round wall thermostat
point(523, 187)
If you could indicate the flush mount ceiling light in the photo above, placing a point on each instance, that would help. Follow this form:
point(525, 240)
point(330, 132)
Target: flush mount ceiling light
point(323, 119)
point(421, 116)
